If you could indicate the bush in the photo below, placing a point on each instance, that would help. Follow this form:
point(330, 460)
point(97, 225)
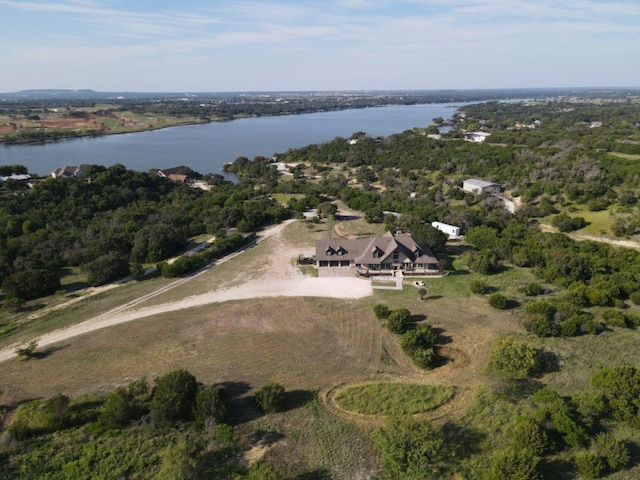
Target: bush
point(613, 451)
point(540, 307)
point(635, 297)
point(614, 318)
point(526, 433)
point(397, 320)
point(381, 311)
point(589, 465)
point(211, 404)
point(173, 397)
point(29, 351)
point(513, 358)
point(542, 326)
point(124, 405)
point(478, 286)
point(418, 345)
point(270, 398)
point(515, 464)
point(498, 301)
point(534, 289)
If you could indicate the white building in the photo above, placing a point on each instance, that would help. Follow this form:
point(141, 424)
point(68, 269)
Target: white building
point(450, 230)
point(476, 137)
point(477, 186)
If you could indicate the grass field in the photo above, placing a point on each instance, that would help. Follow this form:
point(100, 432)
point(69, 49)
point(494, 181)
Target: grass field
point(393, 398)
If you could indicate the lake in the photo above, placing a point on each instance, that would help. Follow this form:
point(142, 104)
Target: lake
point(206, 148)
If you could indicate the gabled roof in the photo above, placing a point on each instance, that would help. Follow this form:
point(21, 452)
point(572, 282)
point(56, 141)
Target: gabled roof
point(375, 250)
point(70, 171)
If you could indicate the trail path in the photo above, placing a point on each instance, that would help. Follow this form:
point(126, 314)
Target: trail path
point(281, 280)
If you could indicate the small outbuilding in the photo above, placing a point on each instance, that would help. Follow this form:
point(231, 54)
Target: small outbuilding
point(450, 230)
point(477, 186)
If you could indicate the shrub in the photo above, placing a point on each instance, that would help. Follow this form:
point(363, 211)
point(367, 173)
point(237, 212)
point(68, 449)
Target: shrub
point(592, 327)
point(534, 289)
point(526, 433)
point(498, 301)
point(381, 311)
point(542, 326)
point(614, 318)
point(516, 464)
point(173, 397)
point(570, 327)
point(613, 451)
point(397, 320)
point(478, 286)
point(540, 307)
point(211, 404)
point(620, 385)
point(418, 345)
point(635, 297)
point(513, 358)
point(270, 398)
point(28, 351)
point(589, 465)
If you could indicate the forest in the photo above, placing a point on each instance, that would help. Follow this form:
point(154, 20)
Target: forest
point(555, 269)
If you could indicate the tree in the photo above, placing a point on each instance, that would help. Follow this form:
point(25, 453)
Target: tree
point(30, 284)
point(107, 268)
point(397, 320)
point(430, 236)
point(513, 358)
point(270, 398)
point(173, 397)
point(212, 404)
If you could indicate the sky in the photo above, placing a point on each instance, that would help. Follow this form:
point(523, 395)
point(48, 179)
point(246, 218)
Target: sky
point(287, 45)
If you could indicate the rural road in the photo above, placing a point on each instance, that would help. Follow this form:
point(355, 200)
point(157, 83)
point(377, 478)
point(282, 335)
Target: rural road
point(274, 286)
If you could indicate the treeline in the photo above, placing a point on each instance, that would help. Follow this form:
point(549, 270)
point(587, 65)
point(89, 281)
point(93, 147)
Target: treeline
point(111, 219)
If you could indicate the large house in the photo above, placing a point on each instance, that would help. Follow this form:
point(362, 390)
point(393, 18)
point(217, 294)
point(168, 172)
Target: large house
point(376, 256)
point(70, 171)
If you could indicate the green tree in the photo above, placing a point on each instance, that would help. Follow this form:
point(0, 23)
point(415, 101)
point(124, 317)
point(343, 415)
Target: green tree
point(270, 397)
point(527, 433)
point(430, 236)
point(173, 397)
point(620, 386)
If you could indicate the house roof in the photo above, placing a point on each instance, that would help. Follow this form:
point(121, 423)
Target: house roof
point(181, 170)
point(375, 250)
point(476, 182)
point(67, 171)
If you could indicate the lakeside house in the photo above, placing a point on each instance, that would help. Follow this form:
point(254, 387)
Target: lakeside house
point(383, 255)
point(477, 186)
point(177, 174)
point(67, 171)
